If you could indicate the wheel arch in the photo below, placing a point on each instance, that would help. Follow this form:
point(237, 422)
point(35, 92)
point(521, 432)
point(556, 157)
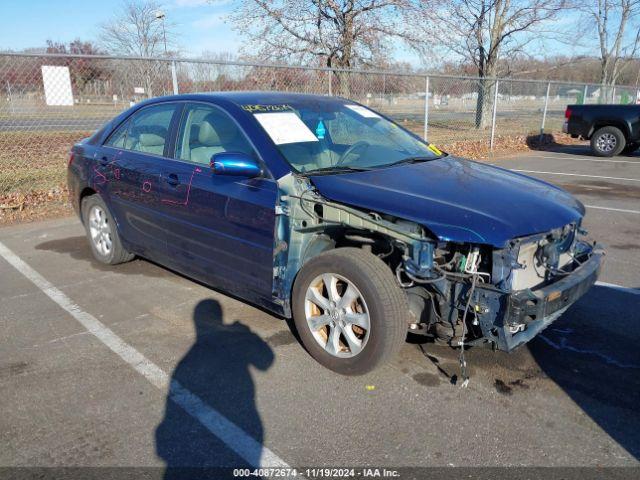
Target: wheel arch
point(337, 238)
point(86, 192)
point(622, 126)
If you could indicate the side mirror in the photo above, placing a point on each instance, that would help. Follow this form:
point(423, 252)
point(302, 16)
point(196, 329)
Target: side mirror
point(235, 164)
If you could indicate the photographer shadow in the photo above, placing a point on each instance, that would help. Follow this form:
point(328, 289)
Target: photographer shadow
point(217, 370)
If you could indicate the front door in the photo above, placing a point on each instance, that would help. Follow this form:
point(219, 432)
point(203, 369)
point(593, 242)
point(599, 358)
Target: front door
point(222, 227)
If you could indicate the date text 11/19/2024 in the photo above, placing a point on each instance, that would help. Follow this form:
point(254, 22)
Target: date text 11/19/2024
point(321, 472)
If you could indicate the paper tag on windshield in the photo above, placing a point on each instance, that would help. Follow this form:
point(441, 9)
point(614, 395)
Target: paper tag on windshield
point(362, 111)
point(434, 149)
point(285, 127)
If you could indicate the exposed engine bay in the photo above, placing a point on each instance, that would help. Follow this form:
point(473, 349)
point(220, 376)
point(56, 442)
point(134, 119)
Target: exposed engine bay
point(458, 293)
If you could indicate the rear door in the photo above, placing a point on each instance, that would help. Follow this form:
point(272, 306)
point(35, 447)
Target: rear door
point(222, 227)
point(132, 161)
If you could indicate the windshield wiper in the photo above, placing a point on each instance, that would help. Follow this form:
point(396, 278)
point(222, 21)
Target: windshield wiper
point(335, 169)
point(412, 160)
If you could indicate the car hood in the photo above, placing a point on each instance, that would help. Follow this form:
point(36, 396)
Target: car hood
point(456, 199)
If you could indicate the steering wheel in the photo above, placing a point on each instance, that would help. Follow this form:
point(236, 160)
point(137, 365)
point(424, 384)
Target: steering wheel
point(359, 145)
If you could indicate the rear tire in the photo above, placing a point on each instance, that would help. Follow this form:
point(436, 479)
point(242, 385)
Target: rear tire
point(349, 311)
point(102, 232)
point(607, 142)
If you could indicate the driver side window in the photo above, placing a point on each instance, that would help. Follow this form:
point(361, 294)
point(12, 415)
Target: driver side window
point(206, 130)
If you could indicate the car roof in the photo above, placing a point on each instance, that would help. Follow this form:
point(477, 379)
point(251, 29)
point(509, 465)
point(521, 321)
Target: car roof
point(254, 97)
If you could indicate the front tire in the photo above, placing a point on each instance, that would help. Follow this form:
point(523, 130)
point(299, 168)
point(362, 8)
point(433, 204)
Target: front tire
point(102, 232)
point(608, 142)
point(349, 310)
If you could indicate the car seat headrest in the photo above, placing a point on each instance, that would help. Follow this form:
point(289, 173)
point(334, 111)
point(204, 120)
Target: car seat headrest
point(207, 134)
point(217, 129)
point(150, 140)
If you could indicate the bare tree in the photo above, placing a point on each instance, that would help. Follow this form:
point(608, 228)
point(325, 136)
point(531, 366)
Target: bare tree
point(335, 33)
point(617, 23)
point(483, 32)
point(139, 30)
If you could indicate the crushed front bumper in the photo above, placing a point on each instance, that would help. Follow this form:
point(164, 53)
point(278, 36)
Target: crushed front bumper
point(512, 319)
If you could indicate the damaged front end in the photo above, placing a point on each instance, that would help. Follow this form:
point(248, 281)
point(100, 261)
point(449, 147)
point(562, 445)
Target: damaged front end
point(534, 280)
point(459, 293)
point(504, 297)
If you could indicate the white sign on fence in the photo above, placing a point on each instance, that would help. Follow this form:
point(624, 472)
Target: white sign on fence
point(57, 85)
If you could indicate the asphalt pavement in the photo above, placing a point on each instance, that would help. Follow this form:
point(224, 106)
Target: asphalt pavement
point(135, 365)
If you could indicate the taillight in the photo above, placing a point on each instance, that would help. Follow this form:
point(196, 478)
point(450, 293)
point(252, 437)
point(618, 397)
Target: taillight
point(567, 113)
point(71, 155)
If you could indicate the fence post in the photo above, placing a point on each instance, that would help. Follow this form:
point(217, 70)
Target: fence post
point(544, 112)
point(330, 82)
point(495, 110)
point(584, 95)
point(384, 86)
point(613, 95)
point(9, 98)
point(426, 107)
point(174, 77)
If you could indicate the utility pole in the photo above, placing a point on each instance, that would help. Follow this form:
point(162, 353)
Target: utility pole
point(160, 15)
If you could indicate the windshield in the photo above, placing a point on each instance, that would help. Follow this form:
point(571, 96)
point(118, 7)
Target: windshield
point(331, 135)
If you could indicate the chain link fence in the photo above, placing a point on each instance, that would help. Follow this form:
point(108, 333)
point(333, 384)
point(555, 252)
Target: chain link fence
point(48, 102)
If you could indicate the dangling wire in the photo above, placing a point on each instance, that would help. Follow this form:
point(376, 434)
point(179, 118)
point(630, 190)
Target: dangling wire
point(463, 362)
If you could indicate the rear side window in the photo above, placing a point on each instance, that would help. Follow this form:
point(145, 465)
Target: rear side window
point(147, 131)
point(119, 137)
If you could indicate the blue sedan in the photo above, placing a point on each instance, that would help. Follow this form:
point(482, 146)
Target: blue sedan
point(323, 210)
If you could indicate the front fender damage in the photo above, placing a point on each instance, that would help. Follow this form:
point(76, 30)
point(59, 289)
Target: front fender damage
point(307, 224)
point(462, 293)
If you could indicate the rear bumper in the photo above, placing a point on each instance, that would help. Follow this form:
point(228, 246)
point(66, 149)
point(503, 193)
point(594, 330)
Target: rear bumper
point(73, 186)
point(521, 315)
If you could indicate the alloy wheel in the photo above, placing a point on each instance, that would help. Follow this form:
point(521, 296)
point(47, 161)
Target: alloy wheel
point(606, 142)
point(337, 315)
point(100, 231)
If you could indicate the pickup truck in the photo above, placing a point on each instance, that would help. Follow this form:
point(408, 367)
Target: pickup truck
point(611, 129)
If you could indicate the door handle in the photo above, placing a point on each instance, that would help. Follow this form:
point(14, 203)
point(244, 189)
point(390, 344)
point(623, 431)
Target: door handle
point(172, 179)
point(104, 161)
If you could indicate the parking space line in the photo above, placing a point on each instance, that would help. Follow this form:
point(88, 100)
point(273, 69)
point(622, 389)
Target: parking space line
point(633, 291)
point(577, 175)
point(622, 210)
point(233, 436)
point(526, 156)
point(597, 160)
